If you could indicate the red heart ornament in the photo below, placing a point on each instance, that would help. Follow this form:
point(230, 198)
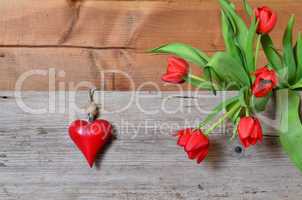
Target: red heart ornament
point(90, 137)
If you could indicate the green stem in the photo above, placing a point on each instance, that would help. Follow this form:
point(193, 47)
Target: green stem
point(247, 112)
point(222, 119)
point(197, 78)
point(257, 49)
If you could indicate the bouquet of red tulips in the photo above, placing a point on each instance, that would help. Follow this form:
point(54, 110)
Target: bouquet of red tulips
point(236, 69)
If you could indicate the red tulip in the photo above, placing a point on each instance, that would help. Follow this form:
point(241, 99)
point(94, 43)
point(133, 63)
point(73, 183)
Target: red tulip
point(267, 19)
point(249, 131)
point(177, 69)
point(195, 143)
point(265, 82)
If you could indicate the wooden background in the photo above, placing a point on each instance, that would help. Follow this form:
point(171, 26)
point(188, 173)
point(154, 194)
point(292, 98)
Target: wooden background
point(85, 38)
point(38, 161)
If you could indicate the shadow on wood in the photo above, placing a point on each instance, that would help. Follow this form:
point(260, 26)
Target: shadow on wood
point(217, 157)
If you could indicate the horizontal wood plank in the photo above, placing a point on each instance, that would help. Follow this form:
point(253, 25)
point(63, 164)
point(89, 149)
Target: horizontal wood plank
point(39, 161)
point(85, 37)
point(117, 69)
point(125, 24)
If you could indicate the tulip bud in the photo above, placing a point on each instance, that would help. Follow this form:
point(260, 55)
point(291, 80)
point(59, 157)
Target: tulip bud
point(177, 69)
point(267, 19)
point(195, 143)
point(249, 131)
point(265, 82)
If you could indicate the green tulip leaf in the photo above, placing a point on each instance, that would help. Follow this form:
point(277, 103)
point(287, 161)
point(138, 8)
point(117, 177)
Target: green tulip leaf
point(288, 53)
point(187, 52)
point(241, 29)
point(247, 7)
point(243, 96)
point(228, 70)
point(211, 76)
point(288, 110)
point(271, 53)
point(298, 56)
point(228, 36)
point(297, 85)
point(249, 49)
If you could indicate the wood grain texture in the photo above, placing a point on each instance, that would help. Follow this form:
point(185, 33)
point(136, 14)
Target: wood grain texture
point(136, 24)
point(74, 36)
point(38, 160)
point(116, 69)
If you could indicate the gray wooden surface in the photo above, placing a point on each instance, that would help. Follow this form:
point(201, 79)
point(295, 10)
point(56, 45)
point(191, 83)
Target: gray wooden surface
point(38, 161)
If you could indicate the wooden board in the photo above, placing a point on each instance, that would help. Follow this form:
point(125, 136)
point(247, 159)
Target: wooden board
point(38, 160)
point(106, 69)
point(124, 24)
point(88, 36)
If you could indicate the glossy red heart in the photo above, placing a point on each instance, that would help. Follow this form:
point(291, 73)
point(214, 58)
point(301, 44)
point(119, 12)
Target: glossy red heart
point(90, 137)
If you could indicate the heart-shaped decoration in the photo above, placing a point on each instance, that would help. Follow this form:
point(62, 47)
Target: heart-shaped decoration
point(90, 137)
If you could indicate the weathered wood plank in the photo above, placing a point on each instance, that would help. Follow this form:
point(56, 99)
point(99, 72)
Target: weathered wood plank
point(93, 36)
point(38, 160)
point(123, 24)
point(117, 69)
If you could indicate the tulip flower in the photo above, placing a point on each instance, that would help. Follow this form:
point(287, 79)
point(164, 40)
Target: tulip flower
point(265, 82)
point(177, 69)
point(267, 19)
point(249, 131)
point(195, 143)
